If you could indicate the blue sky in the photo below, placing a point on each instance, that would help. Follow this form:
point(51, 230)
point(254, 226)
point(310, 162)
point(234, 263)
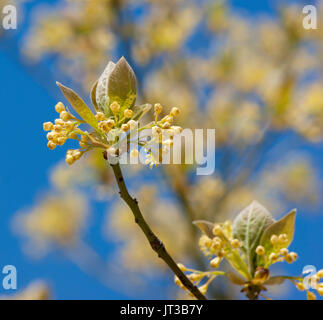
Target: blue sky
point(25, 164)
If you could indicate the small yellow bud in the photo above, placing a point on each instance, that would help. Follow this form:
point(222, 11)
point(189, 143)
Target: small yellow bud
point(282, 238)
point(59, 107)
point(77, 154)
point(100, 116)
point(174, 112)
point(128, 113)
point(115, 107)
point(208, 243)
point(59, 122)
point(235, 243)
point(104, 126)
point(300, 286)
point(50, 135)
point(311, 295)
point(289, 259)
point(47, 126)
point(110, 123)
point(58, 128)
point(134, 153)
point(320, 291)
point(283, 252)
point(158, 108)
point(69, 159)
point(273, 257)
point(69, 125)
point(61, 140)
point(51, 145)
point(274, 239)
point(214, 263)
point(260, 250)
point(293, 255)
point(320, 273)
point(125, 127)
point(65, 116)
point(220, 254)
point(217, 230)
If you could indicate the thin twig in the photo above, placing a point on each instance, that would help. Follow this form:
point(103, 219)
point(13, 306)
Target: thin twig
point(155, 243)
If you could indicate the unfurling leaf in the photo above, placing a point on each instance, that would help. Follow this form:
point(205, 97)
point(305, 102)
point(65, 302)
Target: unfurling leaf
point(93, 96)
point(79, 105)
point(248, 228)
point(122, 85)
point(285, 225)
point(101, 92)
point(206, 227)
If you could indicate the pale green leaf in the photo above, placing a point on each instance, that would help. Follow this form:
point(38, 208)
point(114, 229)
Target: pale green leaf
point(206, 227)
point(79, 106)
point(122, 85)
point(284, 225)
point(93, 96)
point(101, 94)
point(248, 228)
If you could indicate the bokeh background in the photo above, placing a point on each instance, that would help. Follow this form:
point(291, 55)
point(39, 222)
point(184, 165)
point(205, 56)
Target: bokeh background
point(246, 68)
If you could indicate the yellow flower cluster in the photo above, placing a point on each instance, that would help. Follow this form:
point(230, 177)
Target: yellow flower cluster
point(110, 128)
point(65, 127)
point(279, 253)
point(196, 277)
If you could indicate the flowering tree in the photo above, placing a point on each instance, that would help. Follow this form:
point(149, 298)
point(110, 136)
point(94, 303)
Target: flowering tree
point(253, 93)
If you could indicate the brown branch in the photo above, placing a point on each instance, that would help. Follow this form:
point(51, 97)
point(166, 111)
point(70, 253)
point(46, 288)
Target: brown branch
point(154, 242)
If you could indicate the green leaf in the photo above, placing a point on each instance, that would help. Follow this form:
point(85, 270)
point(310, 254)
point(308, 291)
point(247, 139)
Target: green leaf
point(101, 94)
point(248, 228)
point(93, 96)
point(122, 85)
point(238, 264)
point(79, 106)
point(206, 227)
point(284, 225)
point(274, 281)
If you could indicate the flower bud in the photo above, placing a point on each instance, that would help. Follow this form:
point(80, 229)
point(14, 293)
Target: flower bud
point(174, 112)
point(47, 126)
point(115, 107)
point(260, 250)
point(128, 113)
point(158, 108)
point(59, 107)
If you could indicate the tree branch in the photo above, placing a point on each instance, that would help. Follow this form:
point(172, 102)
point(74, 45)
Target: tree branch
point(155, 243)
